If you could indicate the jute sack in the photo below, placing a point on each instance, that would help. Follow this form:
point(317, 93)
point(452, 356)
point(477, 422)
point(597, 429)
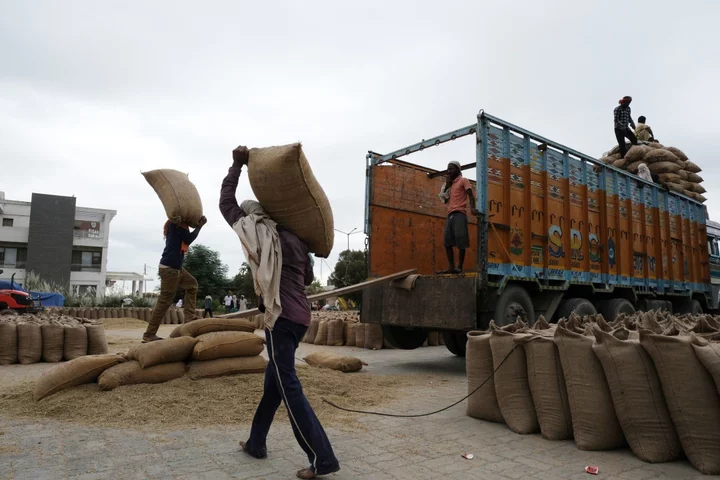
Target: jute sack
point(312, 331)
point(350, 333)
point(373, 336)
point(692, 167)
point(334, 362)
point(664, 167)
point(637, 152)
point(174, 318)
point(76, 342)
point(207, 325)
point(131, 373)
point(181, 316)
point(336, 333)
point(670, 178)
point(75, 372)
point(511, 382)
point(659, 155)
point(692, 177)
point(214, 345)
point(178, 195)
point(162, 351)
point(677, 152)
point(53, 341)
point(547, 385)
point(29, 343)
point(8, 343)
point(691, 397)
point(482, 404)
point(638, 398)
point(284, 184)
point(595, 424)
point(709, 355)
point(360, 335)
point(695, 187)
point(321, 337)
point(97, 343)
point(227, 366)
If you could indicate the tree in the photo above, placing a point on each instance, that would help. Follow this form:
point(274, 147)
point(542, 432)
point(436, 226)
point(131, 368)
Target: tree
point(205, 265)
point(315, 288)
point(351, 268)
point(243, 283)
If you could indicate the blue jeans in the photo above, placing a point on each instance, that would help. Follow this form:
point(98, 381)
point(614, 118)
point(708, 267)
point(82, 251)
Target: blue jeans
point(283, 385)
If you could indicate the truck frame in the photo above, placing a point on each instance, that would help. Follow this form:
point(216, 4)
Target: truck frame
point(557, 232)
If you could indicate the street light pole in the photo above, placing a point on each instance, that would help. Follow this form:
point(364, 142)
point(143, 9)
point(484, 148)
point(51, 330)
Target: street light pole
point(351, 232)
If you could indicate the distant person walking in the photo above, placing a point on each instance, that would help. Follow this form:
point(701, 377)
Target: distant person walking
point(242, 303)
point(235, 303)
point(623, 122)
point(643, 132)
point(208, 307)
point(455, 193)
point(228, 302)
point(173, 276)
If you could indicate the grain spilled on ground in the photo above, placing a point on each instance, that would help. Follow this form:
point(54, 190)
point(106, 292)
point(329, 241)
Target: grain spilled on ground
point(200, 403)
point(123, 323)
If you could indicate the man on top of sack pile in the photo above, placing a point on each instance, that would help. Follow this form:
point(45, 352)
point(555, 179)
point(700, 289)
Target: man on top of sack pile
point(623, 118)
point(282, 267)
point(643, 132)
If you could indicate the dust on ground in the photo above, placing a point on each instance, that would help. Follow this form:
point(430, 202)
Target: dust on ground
point(123, 323)
point(200, 403)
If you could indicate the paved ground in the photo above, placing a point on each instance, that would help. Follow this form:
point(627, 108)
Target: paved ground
point(388, 448)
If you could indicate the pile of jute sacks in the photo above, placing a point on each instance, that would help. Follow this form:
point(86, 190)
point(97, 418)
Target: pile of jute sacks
point(48, 337)
point(669, 165)
point(208, 348)
point(172, 317)
point(650, 381)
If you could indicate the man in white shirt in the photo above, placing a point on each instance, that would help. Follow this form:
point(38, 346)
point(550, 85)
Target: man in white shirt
point(228, 302)
point(242, 305)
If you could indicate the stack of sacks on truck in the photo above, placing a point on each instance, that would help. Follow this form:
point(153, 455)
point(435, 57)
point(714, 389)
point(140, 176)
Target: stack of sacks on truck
point(650, 381)
point(669, 165)
point(48, 337)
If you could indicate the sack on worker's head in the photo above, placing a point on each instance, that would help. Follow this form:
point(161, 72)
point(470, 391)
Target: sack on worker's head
point(638, 398)
point(636, 153)
point(335, 333)
point(677, 152)
point(373, 336)
point(360, 335)
point(284, 184)
point(53, 341)
point(547, 385)
point(82, 370)
point(692, 167)
point(207, 325)
point(334, 362)
point(226, 366)
point(29, 343)
point(178, 195)
point(483, 403)
point(162, 351)
point(76, 342)
point(214, 345)
point(511, 383)
point(691, 395)
point(131, 373)
point(663, 167)
point(312, 331)
point(97, 343)
point(595, 424)
point(321, 336)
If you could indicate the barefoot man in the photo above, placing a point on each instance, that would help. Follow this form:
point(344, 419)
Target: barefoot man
point(281, 266)
point(455, 193)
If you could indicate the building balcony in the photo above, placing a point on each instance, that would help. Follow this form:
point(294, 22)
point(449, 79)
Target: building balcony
point(79, 267)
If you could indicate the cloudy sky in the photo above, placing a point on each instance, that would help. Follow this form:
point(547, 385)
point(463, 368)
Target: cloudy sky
point(92, 93)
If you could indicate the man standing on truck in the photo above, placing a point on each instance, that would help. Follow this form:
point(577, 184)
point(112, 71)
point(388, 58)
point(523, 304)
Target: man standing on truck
point(623, 117)
point(455, 193)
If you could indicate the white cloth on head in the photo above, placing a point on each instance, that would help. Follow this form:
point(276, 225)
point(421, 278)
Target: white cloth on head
point(644, 172)
point(261, 244)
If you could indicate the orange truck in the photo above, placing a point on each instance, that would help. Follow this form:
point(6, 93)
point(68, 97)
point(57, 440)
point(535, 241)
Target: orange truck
point(557, 232)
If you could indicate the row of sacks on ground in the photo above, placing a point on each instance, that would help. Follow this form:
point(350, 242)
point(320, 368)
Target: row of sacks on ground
point(650, 381)
point(201, 349)
point(344, 329)
point(48, 337)
point(172, 316)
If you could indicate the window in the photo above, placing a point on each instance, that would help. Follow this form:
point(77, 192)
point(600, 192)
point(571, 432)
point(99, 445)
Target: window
point(86, 261)
point(84, 229)
point(85, 289)
point(714, 247)
point(8, 222)
point(12, 257)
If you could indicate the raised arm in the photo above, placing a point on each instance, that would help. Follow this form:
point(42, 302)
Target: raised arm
point(229, 207)
point(187, 236)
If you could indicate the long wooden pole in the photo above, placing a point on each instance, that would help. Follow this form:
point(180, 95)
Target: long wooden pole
point(332, 293)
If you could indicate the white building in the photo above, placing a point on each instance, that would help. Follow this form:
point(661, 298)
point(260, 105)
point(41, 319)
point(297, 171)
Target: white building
point(56, 239)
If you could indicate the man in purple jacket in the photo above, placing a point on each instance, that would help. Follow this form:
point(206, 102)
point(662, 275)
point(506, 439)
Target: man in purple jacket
point(281, 381)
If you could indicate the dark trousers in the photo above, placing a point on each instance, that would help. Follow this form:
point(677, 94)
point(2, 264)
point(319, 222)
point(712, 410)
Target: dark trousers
point(621, 134)
point(208, 311)
point(283, 385)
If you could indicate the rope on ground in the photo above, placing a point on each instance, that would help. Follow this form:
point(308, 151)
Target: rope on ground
point(382, 414)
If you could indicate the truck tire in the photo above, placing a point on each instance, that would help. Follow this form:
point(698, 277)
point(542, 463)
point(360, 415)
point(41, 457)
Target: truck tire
point(455, 342)
point(692, 307)
point(404, 338)
point(514, 302)
point(610, 309)
point(580, 306)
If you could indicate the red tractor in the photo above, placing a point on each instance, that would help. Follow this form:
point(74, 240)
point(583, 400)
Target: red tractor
point(18, 300)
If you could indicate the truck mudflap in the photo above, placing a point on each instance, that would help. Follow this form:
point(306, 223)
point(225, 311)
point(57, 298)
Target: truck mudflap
point(435, 302)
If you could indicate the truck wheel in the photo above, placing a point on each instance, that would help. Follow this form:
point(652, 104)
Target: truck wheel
point(580, 306)
point(404, 338)
point(455, 342)
point(692, 307)
point(514, 302)
point(610, 309)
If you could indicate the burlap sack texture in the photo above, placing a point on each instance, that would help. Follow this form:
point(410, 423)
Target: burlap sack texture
point(82, 370)
point(178, 195)
point(131, 373)
point(483, 403)
point(284, 184)
point(207, 325)
point(165, 351)
point(214, 345)
point(226, 366)
point(335, 362)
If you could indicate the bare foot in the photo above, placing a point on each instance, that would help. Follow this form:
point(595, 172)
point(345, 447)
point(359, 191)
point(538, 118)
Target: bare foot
point(243, 446)
point(306, 473)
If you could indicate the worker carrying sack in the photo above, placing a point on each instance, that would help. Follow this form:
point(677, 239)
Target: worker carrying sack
point(178, 195)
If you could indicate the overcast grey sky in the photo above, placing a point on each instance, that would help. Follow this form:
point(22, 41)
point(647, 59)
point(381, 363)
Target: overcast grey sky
point(92, 93)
